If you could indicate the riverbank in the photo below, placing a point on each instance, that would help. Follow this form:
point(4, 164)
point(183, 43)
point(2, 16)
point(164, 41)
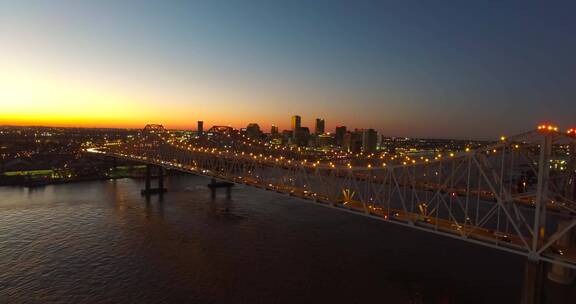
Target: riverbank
point(30, 182)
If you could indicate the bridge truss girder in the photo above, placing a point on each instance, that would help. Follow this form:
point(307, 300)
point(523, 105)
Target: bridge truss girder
point(503, 196)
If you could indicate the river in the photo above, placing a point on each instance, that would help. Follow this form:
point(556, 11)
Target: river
point(102, 242)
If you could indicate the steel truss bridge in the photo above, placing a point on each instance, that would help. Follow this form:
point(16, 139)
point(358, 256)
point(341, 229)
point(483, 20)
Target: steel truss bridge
point(516, 195)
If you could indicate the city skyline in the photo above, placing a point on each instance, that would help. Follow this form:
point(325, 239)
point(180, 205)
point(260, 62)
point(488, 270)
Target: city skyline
point(417, 70)
point(275, 151)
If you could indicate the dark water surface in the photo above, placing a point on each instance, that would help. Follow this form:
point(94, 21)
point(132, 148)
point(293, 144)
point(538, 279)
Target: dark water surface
point(102, 242)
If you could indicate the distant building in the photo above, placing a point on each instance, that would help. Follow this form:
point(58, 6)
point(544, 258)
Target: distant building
point(339, 137)
point(200, 128)
point(369, 140)
point(253, 131)
point(274, 130)
point(301, 137)
point(353, 141)
point(324, 140)
point(319, 126)
point(287, 137)
point(296, 123)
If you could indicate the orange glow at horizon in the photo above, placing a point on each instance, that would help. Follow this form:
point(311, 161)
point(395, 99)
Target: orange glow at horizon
point(36, 93)
point(30, 98)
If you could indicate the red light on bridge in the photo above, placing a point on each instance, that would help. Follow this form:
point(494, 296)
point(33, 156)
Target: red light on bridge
point(547, 128)
point(571, 132)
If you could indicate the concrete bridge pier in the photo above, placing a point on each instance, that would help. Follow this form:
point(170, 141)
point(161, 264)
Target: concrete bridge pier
point(148, 177)
point(533, 285)
point(560, 274)
point(148, 190)
point(213, 185)
point(161, 179)
point(536, 273)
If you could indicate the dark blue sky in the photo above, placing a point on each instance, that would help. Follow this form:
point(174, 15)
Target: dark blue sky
point(449, 68)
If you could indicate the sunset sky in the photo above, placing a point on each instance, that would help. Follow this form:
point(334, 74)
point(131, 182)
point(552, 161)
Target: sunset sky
point(432, 69)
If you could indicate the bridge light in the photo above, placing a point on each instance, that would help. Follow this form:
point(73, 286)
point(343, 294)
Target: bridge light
point(547, 127)
point(571, 132)
point(502, 138)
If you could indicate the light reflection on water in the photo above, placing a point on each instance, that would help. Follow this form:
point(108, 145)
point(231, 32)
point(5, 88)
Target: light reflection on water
point(102, 242)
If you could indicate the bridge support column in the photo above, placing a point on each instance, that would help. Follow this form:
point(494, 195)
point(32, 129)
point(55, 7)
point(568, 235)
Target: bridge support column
point(557, 273)
point(213, 185)
point(533, 285)
point(161, 180)
point(148, 189)
point(148, 177)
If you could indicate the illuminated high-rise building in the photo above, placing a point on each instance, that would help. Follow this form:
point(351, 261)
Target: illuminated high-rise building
point(296, 126)
point(319, 126)
point(296, 123)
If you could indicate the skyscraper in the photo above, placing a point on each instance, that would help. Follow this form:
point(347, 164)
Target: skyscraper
point(369, 140)
point(319, 126)
point(295, 126)
point(200, 129)
point(340, 132)
point(302, 137)
point(296, 121)
point(352, 141)
point(274, 130)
